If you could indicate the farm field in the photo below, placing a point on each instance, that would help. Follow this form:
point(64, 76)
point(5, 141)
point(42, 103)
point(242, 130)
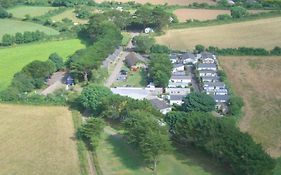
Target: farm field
point(264, 33)
point(21, 11)
point(37, 140)
point(70, 15)
point(123, 159)
point(14, 59)
point(257, 80)
point(9, 26)
point(170, 2)
point(198, 14)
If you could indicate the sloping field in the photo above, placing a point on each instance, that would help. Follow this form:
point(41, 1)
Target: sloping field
point(170, 2)
point(21, 11)
point(37, 140)
point(257, 80)
point(70, 15)
point(9, 26)
point(198, 14)
point(263, 33)
point(14, 59)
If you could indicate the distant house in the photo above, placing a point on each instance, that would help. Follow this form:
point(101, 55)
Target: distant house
point(205, 55)
point(178, 91)
point(205, 73)
point(148, 30)
point(178, 68)
point(176, 99)
point(69, 81)
point(208, 60)
point(211, 86)
point(210, 78)
point(161, 105)
point(182, 73)
point(221, 98)
point(180, 79)
point(206, 66)
point(188, 58)
point(131, 60)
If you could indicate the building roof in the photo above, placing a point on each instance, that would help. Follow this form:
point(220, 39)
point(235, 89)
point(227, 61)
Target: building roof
point(180, 73)
point(173, 56)
point(215, 84)
point(177, 97)
point(207, 71)
point(207, 55)
point(188, 55)
point(131, 59)
point(219, 98)
point(159, 104)
point(180, 77)
point(207, 65)
point(210, 78)
point(178, 65)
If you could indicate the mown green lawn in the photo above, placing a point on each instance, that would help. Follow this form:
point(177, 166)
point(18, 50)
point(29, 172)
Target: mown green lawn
point(116, 157)
point(10, 26)
point(70, 15)
point(126, 38)
point(21, 11)
point(135, 79)
point(13, 59)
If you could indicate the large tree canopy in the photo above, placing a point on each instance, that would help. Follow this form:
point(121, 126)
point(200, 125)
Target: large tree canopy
point(197, 101)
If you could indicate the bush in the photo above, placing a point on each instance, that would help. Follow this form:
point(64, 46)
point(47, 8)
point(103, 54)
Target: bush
point(238, 12)
point(20, 38)
point(57, 60)
point(223, 17)
point(156, 48)
point(4, 13)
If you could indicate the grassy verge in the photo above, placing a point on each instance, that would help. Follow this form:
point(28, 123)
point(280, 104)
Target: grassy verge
point(81, 148)
point(126, 38)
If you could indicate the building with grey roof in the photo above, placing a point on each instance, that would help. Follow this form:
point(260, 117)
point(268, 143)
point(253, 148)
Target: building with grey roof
point(207, 66)
point(176, 99)
point(161, 105)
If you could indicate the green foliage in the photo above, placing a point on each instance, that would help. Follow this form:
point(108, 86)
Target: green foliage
point(243, 51)
point(143, 43)
point(157, 48)
point(235, 105)
point(160, 68)
point(224, 17)
point(238, 12)
point(199, 48)
point(223, 141)
point(150, 138)
point(91, 132)
point(92, 95)
point(68, 3)
point(197, 101)
point(20, 38)
point(82, 12)
point(57, 60)
point(4, 13)
point(7, 40)
point(276, 51)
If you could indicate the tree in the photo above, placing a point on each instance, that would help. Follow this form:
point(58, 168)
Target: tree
point(199, 48)
point(235, 105)
point(27, 37)
point(160, 68)
point(4, 13)
point(157, 48)
point(238, 12)
point(197, 101)
point(7, 40)
point(19, 39)
point(223, 17)
point(57, 60)
point(143, 43)
point(143, 130)
point(91, 132)
point(92, 95)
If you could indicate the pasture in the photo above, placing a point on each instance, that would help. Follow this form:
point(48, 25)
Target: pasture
point(9, 26)
point(257, 80)
point(264, 33)
point(198, 14)
point(70, 15)
point(33, 11)
point(37, 140)
point(170, 2)
point(13, 59)
point(116, 157)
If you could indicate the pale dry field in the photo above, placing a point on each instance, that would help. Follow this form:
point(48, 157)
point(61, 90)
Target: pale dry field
point(257, 80)
point(264, 33)
point(198, 14)
point(170, 2)
point(37, 141)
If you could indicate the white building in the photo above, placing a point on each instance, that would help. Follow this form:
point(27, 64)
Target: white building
point(161, 105)
point(207, 66)
point(205, 73)
point(176, 99)
point(178, 91)
point(178, 68)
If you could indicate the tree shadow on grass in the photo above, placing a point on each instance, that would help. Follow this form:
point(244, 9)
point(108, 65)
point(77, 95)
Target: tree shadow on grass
point(191, 156)
point(128, 155)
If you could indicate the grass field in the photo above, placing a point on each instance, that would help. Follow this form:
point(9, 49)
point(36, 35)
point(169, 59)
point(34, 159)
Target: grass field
point(21, 11)
point(257, 80)
point(198, 14)
point(37, 140)
point(135, 79)
point(116, 157)
point(170, 2)
point(263, 33)
point(70, 15)
point(9, 26)
point(13, 59)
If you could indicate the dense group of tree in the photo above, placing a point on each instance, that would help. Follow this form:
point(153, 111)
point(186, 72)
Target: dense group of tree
point(139, 119)
point(20, 38)
point(197, 101)
point(32, 76)
point(143, 43)
point(160, 69)
point(69, 3)
point(221, 140)
point(4, 13)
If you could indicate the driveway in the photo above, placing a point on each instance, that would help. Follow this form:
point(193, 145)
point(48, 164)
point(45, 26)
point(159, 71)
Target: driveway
point(54, 83)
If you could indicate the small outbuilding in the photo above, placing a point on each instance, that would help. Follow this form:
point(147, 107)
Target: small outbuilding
point(161, 105)
point(131, 59)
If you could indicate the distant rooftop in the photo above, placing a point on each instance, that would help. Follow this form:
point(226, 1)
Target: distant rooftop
point(159, 104)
